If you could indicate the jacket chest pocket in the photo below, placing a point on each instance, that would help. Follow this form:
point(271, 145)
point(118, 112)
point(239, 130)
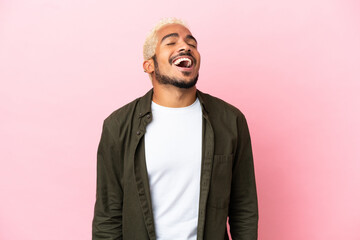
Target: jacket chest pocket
point(220, 185)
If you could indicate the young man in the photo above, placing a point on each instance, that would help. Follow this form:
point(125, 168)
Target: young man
point(175, 163)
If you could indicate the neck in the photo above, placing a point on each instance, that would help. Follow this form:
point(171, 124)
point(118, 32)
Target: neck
point(171, 96)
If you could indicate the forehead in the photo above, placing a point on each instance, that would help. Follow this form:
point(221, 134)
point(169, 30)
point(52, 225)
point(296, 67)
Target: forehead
point(172, 28)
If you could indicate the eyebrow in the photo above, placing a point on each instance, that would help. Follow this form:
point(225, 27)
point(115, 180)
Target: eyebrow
point(177, 35)
point(191, 37)
point(169, 35)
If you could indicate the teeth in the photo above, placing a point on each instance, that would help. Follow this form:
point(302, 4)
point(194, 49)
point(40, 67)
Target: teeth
point(188, 60)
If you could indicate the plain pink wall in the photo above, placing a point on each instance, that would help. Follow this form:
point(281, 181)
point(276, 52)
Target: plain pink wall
point(291, 66)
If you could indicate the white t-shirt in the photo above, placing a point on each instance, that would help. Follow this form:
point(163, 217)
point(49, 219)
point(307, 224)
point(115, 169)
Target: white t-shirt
point(173, 148)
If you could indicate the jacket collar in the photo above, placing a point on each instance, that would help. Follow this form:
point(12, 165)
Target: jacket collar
point(145, 102)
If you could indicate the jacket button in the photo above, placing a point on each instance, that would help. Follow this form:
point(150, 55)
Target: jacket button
point(138, 132)
point(140, 114)
point(148, 116)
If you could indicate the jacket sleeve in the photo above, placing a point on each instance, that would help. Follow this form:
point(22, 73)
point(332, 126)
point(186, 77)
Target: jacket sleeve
point(107, 221)
point(243, 208)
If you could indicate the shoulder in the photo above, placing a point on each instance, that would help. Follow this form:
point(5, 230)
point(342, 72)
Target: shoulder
point(125, 114)
point(119, 114)
point(122, 118)
point(215, 105)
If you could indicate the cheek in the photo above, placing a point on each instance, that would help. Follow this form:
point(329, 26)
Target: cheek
point(198, 62)
point(163, 60)
point(197, 56)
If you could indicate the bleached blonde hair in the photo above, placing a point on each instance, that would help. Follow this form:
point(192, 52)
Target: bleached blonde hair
point(152, 40)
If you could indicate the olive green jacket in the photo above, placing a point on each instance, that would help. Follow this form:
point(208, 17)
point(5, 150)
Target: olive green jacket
point(123, 207)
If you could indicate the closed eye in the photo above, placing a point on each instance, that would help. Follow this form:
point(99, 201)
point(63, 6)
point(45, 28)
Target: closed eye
point(171, 43)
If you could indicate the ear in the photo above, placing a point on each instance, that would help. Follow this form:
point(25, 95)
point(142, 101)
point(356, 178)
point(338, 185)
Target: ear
point(148, 66)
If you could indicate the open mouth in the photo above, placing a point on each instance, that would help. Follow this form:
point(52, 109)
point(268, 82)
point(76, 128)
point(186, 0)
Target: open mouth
point(184, 63)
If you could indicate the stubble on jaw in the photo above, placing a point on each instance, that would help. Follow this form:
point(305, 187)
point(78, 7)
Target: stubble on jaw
point(163, 79)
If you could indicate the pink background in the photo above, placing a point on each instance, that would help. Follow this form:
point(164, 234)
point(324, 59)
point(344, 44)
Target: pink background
point(292, 67)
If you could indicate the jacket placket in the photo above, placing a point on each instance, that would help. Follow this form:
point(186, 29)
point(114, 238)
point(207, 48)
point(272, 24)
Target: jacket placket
point(141, 175)
point(206, 168)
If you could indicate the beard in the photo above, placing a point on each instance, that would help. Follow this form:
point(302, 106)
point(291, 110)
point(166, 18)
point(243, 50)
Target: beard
point(163, 79)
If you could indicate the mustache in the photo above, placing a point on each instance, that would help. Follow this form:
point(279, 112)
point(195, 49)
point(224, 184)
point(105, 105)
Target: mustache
point(182, 54)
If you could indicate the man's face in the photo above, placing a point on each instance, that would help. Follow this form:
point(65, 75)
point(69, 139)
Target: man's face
point(176, 59)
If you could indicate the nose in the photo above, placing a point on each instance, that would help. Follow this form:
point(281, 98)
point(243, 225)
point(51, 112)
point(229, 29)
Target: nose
point(184, 47)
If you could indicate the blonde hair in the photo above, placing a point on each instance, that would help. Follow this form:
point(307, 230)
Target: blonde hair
point(152, 40)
